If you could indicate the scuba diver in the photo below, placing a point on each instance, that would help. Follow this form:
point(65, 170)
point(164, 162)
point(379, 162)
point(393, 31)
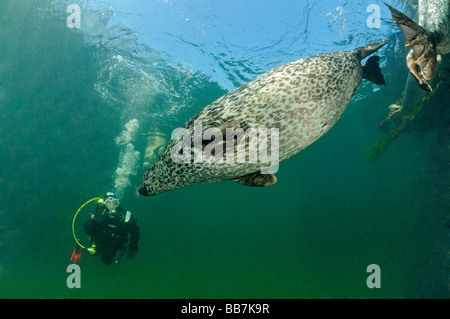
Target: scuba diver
point(108, 230)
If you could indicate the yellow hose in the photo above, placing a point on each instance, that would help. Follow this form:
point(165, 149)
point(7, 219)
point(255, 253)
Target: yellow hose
point(99, 199)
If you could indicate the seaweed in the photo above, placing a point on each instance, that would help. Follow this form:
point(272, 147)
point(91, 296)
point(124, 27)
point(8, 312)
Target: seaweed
point(382, 145)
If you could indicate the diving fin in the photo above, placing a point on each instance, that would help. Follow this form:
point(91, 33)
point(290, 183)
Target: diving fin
point(372, 71)
point(257, 179)
point(76, 254)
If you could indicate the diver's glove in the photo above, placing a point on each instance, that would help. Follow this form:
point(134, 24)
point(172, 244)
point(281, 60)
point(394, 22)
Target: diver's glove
point(92, 249)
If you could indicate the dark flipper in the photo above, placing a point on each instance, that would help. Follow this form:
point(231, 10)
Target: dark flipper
point(257, 179)
point(372, 71)
point(231, 125)
point(370, 48)
point(411, 30)
point(422, 58)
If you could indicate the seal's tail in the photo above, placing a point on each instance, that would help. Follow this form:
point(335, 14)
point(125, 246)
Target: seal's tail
point(372, 71)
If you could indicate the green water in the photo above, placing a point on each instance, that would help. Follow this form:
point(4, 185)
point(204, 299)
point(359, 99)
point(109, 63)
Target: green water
point(332, 212)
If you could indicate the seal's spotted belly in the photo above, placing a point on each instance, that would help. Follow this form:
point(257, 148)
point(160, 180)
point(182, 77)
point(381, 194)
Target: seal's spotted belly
point(302, 99)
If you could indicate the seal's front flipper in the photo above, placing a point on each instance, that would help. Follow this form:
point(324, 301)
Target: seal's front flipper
point(257, 179)
point(231, 125)
point(372, 71)
point(423, 53)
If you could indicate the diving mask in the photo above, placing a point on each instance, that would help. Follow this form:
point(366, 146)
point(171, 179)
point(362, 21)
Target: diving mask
point(112, 203)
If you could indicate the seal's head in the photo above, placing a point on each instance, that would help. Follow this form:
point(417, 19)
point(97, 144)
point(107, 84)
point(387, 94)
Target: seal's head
point(156, 183)
point(163, 176)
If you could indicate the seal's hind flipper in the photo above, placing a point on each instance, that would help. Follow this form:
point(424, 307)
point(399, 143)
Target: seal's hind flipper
point(257, 179)
point(411, 30)
point(372, 71)
point(422, 58)
point(370, 48)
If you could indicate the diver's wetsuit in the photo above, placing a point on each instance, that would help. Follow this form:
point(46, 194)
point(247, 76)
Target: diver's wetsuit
point(109, 232)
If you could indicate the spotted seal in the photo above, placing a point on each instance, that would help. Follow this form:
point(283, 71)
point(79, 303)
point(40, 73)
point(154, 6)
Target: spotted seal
point(427, 39)
point(302, 99)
